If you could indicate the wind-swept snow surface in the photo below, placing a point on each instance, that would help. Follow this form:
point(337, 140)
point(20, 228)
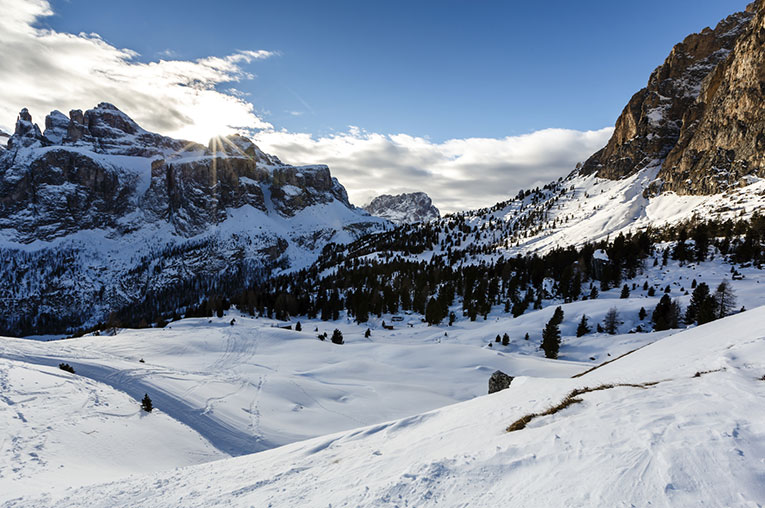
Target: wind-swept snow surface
point(689, 432)
point(60, 430)
point(252, 386)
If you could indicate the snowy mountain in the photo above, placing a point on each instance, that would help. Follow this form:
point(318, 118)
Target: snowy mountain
point(404, 208)
point(686, 148)
point(675, 423)
point(625, 300)
point(100, 212)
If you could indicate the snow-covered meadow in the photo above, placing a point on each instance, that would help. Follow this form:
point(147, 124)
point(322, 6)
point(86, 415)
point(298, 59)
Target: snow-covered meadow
point(223, 390)
point(688, 432)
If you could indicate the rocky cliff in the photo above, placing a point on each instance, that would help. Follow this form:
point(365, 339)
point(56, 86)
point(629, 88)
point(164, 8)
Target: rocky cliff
point(96, 213)
point(722, 142)
point(700, 118)
point(404, 208)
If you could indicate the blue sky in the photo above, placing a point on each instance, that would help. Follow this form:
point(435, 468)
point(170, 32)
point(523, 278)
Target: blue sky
point(443, 69)
point(467, 101)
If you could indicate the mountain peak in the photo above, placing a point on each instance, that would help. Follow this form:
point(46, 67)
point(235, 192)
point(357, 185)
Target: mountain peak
point(26, 133)
point(659, 119)
point(404, 208)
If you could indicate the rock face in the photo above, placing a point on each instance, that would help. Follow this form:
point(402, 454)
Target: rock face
point(404, 208)
point(122, 213)
point(700, 118)
point(723, 136)
point(499, 381)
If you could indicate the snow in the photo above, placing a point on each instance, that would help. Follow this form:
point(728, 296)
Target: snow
point(291, 190)
point(685, 441)
point(62, 430)
point(253, 386)
point(225, 390)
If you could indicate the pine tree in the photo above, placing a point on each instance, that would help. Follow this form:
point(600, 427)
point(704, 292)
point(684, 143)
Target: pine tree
point(505, 340)
point(298, 327)
point(434, 312)
point(725, 300)
point(667, 314)
point(611, 322)
point(700, 293)
point(583, 328)
point(551, 339)
point(706, 311)
point(367, 333)
point(701, 241)
point(557, 317)
point(146, 404)
point(625, 292)
point(642, 313)
point(337, 337)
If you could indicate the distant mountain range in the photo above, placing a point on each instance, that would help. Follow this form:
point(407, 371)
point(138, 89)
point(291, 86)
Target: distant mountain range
point(98, 215)
point(101, 213)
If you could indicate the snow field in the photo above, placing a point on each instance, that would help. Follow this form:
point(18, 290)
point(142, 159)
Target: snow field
point(61, 430)
point(686, 441)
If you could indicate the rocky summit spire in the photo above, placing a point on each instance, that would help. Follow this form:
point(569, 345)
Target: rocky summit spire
point(27, 132)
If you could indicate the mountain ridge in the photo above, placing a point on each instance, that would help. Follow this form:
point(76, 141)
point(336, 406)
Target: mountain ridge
point(96, 197)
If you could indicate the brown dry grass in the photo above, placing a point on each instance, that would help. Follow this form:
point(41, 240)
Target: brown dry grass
point(570, 399)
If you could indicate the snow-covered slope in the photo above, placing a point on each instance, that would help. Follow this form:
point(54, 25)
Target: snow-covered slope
point(688, 431)
point(573, 211)
point(254, 386)
point(63, 430)
point(582, 209)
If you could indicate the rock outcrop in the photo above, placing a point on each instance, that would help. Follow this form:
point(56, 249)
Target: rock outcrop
point(700, 118)
point(499, 381)
point(723, 137)
point(404, 208)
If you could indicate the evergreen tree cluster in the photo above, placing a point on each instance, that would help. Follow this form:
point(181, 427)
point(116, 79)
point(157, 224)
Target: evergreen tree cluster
point(466, 265)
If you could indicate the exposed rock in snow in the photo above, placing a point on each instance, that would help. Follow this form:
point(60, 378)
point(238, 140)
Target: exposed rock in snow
point(499, 381)
point(404, 208)
point(56, 127)
point(723, 136)
point(27, 133)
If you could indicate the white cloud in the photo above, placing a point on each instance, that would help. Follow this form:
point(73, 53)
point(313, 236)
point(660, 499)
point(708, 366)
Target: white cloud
point(45, 70)
point(458, 174)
